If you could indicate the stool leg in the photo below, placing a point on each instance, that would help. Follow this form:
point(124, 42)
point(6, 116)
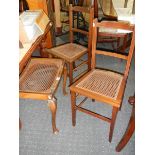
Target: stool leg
point(73, 106)
point(64, 80)
point(112, 124)
point(53, 107)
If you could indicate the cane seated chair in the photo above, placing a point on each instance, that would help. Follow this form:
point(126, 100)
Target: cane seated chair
point(105, 86)
point(73, 51)
point(39, 80)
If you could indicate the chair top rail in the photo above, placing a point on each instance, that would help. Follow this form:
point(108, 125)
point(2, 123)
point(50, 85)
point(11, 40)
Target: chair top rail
point(114, 25)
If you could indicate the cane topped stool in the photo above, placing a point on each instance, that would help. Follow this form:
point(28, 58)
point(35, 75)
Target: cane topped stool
point(40, 80)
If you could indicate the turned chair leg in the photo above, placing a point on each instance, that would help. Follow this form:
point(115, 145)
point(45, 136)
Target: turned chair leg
point(112, 124)
point(53, 107)
point(73, 103)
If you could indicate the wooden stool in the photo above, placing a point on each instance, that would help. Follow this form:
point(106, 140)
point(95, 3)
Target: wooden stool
point(40, 80)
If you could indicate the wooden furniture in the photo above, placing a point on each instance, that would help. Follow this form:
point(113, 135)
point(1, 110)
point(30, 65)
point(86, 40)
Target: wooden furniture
point(28, 49)
point(40, 80)
point(46, 6)
point(71, 52)
point(103, 85)
point(41, 76)
point(116, 10)
point(130, 129)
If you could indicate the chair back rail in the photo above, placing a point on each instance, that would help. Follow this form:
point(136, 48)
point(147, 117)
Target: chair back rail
point(90, 11)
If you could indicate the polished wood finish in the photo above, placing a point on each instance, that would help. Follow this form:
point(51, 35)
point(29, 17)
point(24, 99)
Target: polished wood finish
point(29, 66)
point(71, 52)
point(40, 80)
point(130, 129)
point(95, 8)
point(105, 86)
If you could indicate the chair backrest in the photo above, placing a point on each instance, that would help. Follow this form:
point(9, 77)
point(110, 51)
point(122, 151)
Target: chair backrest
point(72, 29)
point(124, 27)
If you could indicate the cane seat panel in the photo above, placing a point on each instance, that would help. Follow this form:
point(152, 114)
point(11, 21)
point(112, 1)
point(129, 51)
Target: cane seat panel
point(41, 75)
point(102, 82)
point(69, 52)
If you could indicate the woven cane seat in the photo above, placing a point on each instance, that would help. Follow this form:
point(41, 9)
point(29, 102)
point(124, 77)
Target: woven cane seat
point(102, 82)
point(69, 52)
point(41, 75)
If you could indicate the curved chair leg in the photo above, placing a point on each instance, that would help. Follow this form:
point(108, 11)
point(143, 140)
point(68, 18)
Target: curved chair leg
point(128, 133)
point(64, 80)
point(53, 107)
point(73, 100)
point(112, 124)
point(126, 136)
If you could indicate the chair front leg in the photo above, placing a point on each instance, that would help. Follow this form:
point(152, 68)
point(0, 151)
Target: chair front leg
point(73, 106)
point(70, 73)
point(52, 104)
point(112, 124)
point(64, 80)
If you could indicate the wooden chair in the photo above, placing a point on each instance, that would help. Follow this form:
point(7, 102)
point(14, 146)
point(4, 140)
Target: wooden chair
point(103, 85)
point(130, 129)
point(71, 52)
point(39, 80)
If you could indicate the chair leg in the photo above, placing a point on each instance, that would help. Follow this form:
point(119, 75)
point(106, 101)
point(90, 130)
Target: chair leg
point(64, 80)
point(73, 104)
point(130, 129)
point(112, 124)
point(70, 73)
point(53, 107)
point(20, 124)
point(128, 133)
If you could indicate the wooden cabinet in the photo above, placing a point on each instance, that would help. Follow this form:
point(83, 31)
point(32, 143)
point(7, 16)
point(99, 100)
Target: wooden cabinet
point(46, 6)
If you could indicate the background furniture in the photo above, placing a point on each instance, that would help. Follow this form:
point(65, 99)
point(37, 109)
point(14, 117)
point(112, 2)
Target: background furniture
point(121, 10)
point(71, 52)
point(106, 86)
point(131, 127)
point(46, 6)
point(27, 49)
